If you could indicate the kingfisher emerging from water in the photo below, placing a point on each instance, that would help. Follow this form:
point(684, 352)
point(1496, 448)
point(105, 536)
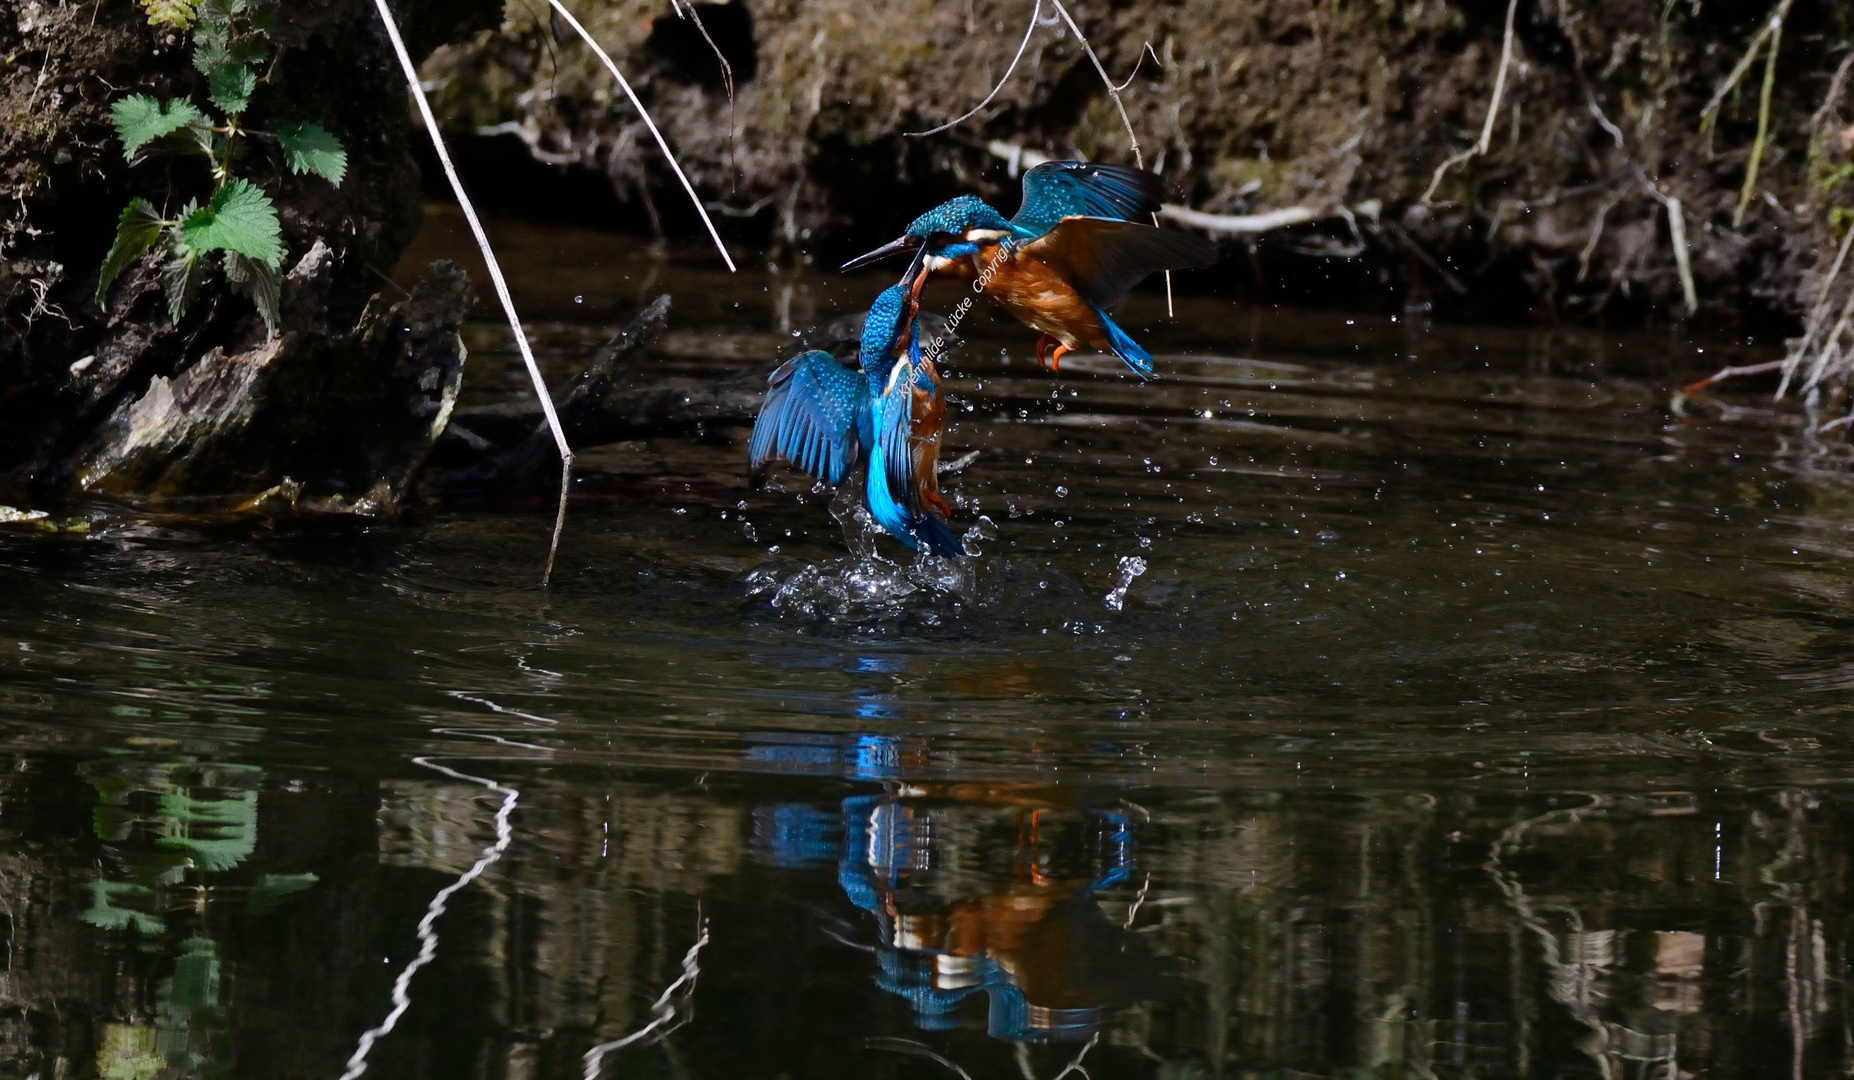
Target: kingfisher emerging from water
point(825, 418)
point(1072, 252)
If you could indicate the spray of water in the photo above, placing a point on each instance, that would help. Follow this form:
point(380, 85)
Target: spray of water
point(1131, 566)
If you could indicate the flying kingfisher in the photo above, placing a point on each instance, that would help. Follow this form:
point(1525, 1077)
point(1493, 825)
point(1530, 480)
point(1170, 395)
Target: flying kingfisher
point(1071, 253)
point(825, 418)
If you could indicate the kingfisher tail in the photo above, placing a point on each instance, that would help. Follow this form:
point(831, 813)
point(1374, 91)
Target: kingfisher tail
point(1125, 347)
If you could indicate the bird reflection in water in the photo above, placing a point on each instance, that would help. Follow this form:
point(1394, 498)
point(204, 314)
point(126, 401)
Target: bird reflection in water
point(974, 890)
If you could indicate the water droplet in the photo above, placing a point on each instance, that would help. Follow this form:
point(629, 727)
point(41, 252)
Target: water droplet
point(1326, 536)
point(1062, 492)
point(579, 299)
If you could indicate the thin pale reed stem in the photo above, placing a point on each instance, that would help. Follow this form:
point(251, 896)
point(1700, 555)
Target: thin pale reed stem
point(495, 271)
point(662, 144)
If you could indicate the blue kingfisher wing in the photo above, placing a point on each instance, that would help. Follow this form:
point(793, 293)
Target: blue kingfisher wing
point(1058, 189)
point(810, 417)
point(1103, 259)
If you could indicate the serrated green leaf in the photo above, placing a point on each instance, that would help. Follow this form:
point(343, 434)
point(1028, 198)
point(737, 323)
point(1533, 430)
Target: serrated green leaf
point(310, 148)
point(259, 284)
point(239, 218)
point(180, 277)
point(136, 231)
point(140, 119)
point(213, 50)
point(170, 12)
point(231, 87)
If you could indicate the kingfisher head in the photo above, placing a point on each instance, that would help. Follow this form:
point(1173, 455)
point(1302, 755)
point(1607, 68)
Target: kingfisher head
point(881, 328)
point(949, 231)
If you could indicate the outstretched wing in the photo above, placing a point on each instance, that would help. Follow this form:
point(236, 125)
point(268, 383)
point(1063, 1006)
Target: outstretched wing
point(1103, 259)
point(1058, 189)
point(809, 418)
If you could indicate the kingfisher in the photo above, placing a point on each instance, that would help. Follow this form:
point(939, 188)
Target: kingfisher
point(825, 418)
point(1071, 253)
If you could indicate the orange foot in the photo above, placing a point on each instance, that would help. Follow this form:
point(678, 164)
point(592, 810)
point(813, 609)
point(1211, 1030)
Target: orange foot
point(1054, 358)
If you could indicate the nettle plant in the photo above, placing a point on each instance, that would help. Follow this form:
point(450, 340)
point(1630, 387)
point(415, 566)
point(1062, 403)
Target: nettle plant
point(237, 229)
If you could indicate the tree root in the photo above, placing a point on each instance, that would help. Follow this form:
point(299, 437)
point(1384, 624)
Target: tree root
point(1493, 108)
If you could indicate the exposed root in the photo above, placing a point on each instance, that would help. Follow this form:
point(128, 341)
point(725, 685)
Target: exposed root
point(1710, 114)
point(1677, 234)
point(1818, 316)
point(727, 77)
point(495, 272)
point(1493, 108)
point(1763, 113)
point(1036, 13)
point(662, 144)
point(1243, 224)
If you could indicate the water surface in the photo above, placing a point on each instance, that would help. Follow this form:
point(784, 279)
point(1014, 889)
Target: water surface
point(1364, 698)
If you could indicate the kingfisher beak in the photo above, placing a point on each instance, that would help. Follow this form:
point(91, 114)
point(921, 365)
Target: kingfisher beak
point(896, 247)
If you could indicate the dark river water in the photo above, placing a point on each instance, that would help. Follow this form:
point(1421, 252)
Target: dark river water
point(1364, 698)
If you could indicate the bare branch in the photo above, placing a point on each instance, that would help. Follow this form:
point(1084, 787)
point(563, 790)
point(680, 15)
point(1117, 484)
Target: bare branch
point(1818, 316)
point(495, 276)
point(1036, 13)
point(1493, 107)
point(1243, 224)
point(662, 143)
point(1113, 92)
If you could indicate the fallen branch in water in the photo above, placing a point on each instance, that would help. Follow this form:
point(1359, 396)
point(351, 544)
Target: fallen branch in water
point(1732, 373)
point(666, 1015)
point(495, 276)
point(1493, 107)
point(662, 144)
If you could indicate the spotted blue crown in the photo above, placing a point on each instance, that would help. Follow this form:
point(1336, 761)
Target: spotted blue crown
point(954, 217)
point(880, 326)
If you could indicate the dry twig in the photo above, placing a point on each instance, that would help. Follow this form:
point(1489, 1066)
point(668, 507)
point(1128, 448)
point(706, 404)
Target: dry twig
point(495, 276)
point(1113, 92)
point(1818, 315)
point(1036, 13)
point(1493, 107)
point(662, 144)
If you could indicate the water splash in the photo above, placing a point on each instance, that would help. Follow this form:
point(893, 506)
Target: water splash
point(865, 587)
point(1131, 566)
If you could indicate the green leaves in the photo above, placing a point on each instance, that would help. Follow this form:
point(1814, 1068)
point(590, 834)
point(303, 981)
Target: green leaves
point(140, 119)
point(136, 231)
point(259, 284)
point(231, 85)
point(309, 148)
point(240, 218)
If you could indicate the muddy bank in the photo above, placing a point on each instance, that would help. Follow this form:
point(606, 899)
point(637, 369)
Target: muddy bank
point(1324, 108)
point(74, 367)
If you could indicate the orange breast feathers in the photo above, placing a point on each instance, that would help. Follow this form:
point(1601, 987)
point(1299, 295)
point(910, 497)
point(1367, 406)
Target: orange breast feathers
point(1039, 296)
point(928, 421)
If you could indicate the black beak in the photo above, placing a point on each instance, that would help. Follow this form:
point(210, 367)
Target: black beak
point(906, 243)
